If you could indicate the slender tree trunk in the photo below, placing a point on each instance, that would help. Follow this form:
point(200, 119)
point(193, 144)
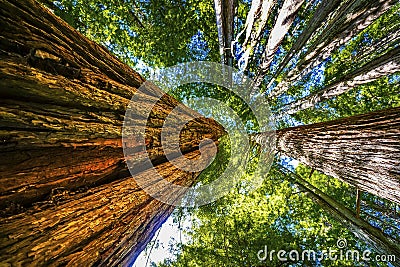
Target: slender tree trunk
point(325, 8)
point(256, 22)
point(62, 169)
point(285, 19)
point(362, 150)
point(387, 64)
point(225, 12)
point(349, 20)
point(392, 39)
point(360, 228)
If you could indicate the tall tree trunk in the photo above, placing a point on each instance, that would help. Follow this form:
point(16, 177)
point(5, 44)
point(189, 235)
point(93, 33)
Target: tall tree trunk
point(256, 22)
point(347, 218)
point(362, 150)
point(387, 64)
point(63, 174)
point(286, 16)
point(106, 225)
point(324, 8)
point(225, 12)
point(349, 20)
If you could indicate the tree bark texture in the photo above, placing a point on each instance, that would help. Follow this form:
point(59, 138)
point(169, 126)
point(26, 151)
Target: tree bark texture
point(256, 22)
point(66, 195)
point(343, 24)
point(286, 16)
point(388, 63)
point(362, 150)
point(225, 12)
point(105, 225)
point(324, 8)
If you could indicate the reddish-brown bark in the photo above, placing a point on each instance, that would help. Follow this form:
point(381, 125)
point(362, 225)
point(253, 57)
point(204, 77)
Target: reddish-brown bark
point(66, 195)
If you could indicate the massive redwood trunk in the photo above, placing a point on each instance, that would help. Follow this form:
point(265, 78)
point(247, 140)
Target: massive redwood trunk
point(362, 150)
point(66, 195)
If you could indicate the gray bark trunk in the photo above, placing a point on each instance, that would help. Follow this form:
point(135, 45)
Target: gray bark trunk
point(225, 12)
point(325, 8)
point(347, 22)
point(387, 64)
point(256, 22)
point(362, 150)
point(285, 19)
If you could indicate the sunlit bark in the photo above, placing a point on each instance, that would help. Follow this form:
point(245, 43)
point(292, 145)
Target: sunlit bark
point(387, 64)
point(362, 150)
point(285, 19)
point(350, 19)
point(325, 8)
point(66, 195)
point(256, 22)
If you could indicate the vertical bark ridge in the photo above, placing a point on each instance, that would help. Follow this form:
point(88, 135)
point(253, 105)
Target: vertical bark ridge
point(324, 8)
point(363, 150)
point(63, 174)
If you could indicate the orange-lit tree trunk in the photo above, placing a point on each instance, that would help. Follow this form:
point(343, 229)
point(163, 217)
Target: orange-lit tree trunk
point(66, 195)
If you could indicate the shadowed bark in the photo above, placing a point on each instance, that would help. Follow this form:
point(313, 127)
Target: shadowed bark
point(105, 225)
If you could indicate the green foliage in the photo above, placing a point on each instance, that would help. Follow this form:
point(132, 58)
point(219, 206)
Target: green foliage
point(231, 231)
point(338, 190)
point(158, 33)
point(190, 91)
